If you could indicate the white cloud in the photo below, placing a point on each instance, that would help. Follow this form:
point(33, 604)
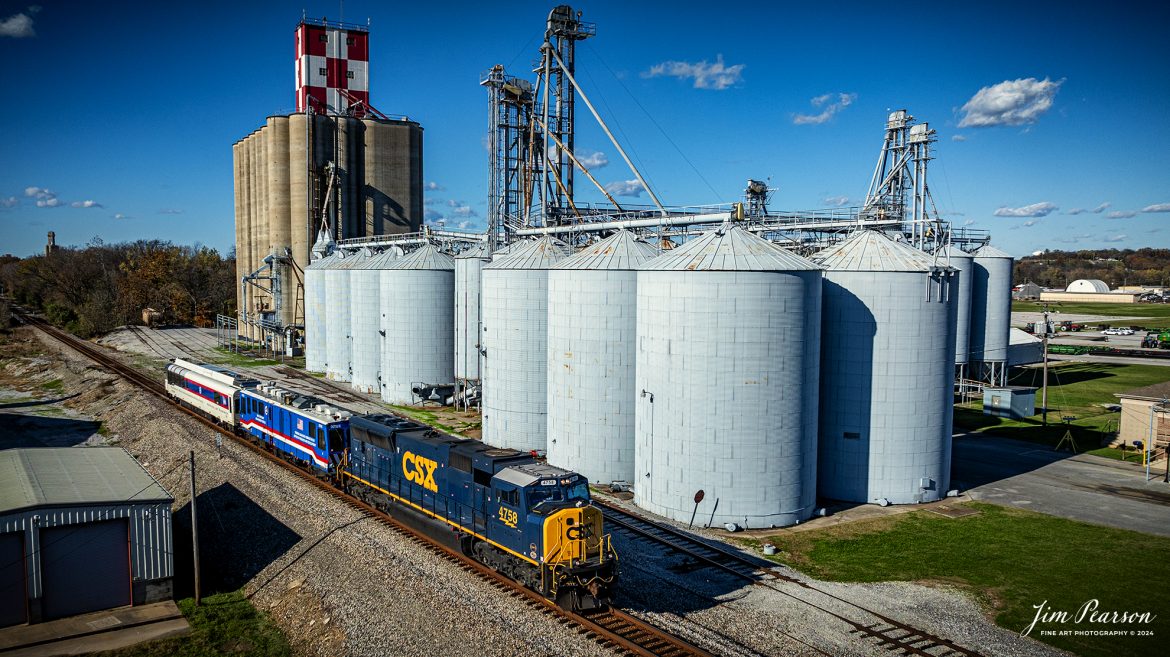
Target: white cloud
point(1034, 210)
point(594, 161)
point(706, 75)
point(1157, 207)
point(18, 26)
point(828, 109)
point(85, 204)
point(463, 224)
point(1116, 238)
point(433, 186)
point(1011, 102)
point(958, 138)
point(170, 211)
point(1097, 210)
point(969, 222)
point(50, 202)
point(1121, 215)
point(464, 211)
point(431, 215)
point(430, 200)
point(837, 201)
point(1030, 222)
point(39, 193)
point(10, 202)
point(625, 188)
point(119, 215)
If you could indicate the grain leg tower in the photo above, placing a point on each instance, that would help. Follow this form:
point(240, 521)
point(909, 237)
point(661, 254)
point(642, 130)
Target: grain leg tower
point(335, 163)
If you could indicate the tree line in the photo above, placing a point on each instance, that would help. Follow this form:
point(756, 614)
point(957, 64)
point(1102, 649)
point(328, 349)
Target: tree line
point(1116, 267)
point(92, 290)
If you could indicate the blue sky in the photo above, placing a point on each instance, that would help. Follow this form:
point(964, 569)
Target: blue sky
point(1052, 117)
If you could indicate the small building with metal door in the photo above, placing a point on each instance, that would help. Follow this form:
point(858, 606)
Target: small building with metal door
point(81, 529)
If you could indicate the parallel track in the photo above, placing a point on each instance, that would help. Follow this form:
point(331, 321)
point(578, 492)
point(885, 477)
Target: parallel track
point(608, 627)
point(889, 633)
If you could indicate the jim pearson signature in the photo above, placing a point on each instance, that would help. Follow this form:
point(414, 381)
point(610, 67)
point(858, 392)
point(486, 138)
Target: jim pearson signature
point(1087, 613)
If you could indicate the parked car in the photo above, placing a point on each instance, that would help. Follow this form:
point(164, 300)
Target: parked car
point(1117, 331)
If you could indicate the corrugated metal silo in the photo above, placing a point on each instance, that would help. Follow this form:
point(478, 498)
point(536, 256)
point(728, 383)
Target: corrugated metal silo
point(468, 274)
point(316, 337)
point(728, 355)
point(991, 312)
point(964, 263)
point(592, 349)
point(514, 306)
point(338, 345)
point(365, 284)
point(887, 369)
point(418, 322)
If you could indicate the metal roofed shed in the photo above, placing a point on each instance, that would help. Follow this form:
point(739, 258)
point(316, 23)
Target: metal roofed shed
point(728, 358)
point(417, 323)
point(1015, 402)
point(887, 372)
point(592, 352)
point(515, 341)
point(1090, 285)
point(60, 502)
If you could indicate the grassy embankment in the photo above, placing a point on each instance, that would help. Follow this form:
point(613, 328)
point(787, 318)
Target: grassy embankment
point(1074, 389)
point(1010, 560)
point(225, 624)
point(1150, 315)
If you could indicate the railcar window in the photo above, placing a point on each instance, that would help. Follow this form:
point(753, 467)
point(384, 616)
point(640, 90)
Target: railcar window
point(461, 462)
point(320, 440)
point(481, 477)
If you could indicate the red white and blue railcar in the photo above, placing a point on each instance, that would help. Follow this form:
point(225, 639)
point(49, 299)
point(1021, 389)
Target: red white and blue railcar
point(298, 426)
point(208, 388)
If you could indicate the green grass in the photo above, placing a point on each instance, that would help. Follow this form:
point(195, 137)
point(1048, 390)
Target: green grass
point(229, 357)
point(1075, 389)
point(1131, 455)
point(1154, 314)
point(424, 416)
point(1010, 559)
point(225, 624)
point(56, 385)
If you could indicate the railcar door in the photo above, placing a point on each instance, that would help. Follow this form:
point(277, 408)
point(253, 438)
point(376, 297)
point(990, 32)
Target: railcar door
point(506, 524)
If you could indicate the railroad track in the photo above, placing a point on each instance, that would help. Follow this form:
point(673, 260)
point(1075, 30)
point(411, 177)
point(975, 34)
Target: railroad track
point(609, 627)
point(888, 632)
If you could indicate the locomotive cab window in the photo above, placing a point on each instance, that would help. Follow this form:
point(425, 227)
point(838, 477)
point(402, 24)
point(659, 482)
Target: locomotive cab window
point(509, 497)
point(336, 439)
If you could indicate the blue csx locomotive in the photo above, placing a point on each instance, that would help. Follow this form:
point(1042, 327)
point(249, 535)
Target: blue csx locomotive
point(524, 518)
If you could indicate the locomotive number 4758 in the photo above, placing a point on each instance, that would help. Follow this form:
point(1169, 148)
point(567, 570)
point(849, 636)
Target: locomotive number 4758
point(509, 517)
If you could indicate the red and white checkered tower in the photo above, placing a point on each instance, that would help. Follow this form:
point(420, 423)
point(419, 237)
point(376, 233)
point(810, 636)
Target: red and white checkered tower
point(333, 68)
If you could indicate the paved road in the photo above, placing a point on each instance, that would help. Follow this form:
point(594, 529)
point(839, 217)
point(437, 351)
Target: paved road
point(1086, 488)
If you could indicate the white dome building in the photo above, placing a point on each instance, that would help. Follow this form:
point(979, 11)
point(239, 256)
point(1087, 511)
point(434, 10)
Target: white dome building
point(1091, 285)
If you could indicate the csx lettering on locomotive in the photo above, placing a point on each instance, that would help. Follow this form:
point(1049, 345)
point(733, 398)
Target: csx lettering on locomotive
point(421, 470)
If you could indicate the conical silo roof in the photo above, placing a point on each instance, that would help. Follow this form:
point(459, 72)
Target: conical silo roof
point(990, 251)
point(952, 251)
point(356, 260)
point(869, 250)
point(537, 254)
point(730, 249)
point(428, 257)
point(323, 263)
point(383, 259)
point(478, 251)
point(622, 250)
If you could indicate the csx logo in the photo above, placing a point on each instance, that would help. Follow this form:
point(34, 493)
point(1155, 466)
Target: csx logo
point(420, 470)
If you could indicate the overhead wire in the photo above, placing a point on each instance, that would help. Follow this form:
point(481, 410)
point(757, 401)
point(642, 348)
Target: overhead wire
point(653, 121)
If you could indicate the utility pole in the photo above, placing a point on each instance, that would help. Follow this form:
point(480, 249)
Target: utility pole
point(194, 530)
point(1044, 392)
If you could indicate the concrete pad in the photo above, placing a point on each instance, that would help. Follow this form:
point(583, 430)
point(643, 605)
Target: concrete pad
point(84, 626)
point(112, 640)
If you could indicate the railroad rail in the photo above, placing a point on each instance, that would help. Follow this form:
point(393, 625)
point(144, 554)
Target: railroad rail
point(610, 627)
point(889, 633)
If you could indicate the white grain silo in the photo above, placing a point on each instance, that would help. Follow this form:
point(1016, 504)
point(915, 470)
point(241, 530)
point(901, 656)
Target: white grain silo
point(592, 349)
point(726, 395)
point(468, 275)
point(964, 263)
point(417, 322)
point(315, 335)
point(991, 314)
point(887, 372)
point(514, 306)
point(365, 319)
point(337, 341)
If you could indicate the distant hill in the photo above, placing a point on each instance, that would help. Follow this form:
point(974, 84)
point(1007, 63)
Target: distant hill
point(1114, 266)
